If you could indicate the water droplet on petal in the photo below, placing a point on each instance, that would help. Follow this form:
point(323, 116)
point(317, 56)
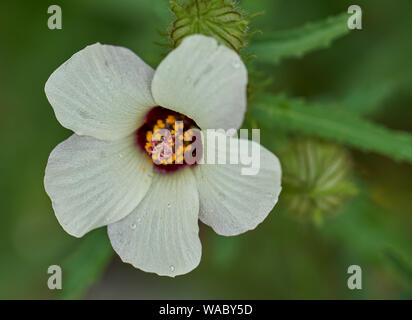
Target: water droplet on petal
point(236, 64)
point(139, 220)
point(172, 268)
point(169, 204)
point(133, 226)
point(120, 155)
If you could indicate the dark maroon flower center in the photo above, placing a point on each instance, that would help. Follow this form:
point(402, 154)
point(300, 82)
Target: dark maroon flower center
point(170, 140)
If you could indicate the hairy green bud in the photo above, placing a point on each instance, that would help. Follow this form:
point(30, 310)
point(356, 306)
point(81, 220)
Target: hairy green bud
point(215, 18)
point(316, 179)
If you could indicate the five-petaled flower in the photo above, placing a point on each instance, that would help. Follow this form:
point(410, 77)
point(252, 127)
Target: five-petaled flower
point(101, 175)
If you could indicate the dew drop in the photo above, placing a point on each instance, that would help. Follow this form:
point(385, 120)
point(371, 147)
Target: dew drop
point(236, 64)
point(169, 204)
point(120, 155)
point(139, 220)
point(222, 196)
point(172, 268)
point(133, 226)
point(109, 82)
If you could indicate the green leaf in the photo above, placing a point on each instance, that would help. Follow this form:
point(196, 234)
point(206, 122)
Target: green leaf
point(364, 229)
point(296, 116)
point(365, 99)
point(299, 41)
point(400, 264)
point(84, 266)
point(370, 238)
point(365, 236)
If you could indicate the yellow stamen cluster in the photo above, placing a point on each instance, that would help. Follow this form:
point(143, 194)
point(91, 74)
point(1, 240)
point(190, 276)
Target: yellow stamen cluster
point(162, 148)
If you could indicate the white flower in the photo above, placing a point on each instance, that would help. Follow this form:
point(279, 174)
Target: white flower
point(99, 176)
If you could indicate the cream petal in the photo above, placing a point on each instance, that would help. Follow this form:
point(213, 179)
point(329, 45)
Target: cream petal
point(93, 183)
point(204, 81)
point(101, 91)
point(232, 203)
point(161, 234)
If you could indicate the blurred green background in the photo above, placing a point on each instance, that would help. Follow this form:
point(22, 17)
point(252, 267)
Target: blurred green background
point(283, 258)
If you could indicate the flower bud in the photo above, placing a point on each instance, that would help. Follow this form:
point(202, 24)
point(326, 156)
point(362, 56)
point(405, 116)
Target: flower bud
point(316, 179)
point(215, 18)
